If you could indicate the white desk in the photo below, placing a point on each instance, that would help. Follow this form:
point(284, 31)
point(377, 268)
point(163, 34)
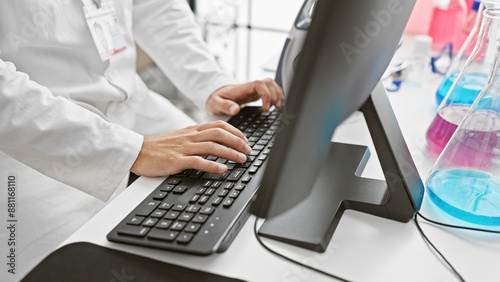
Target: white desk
point(363, 248)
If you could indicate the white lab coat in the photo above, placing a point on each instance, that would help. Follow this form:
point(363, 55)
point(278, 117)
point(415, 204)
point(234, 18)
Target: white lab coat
point(72, 125)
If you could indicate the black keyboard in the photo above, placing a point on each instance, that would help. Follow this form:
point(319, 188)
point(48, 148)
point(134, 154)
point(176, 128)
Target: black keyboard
point(198, 212)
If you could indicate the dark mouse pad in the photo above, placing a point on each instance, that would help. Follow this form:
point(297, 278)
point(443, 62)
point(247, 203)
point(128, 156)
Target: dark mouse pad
point(89, 262)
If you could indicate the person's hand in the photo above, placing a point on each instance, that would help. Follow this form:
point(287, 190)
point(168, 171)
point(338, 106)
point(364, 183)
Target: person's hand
point(173, 152)
point(228, 99)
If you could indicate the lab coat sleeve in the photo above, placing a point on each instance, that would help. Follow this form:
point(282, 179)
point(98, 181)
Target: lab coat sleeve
point(168, 33)
point(60, 139)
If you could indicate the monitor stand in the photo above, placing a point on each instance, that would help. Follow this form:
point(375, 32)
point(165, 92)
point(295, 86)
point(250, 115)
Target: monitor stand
point(338, 187)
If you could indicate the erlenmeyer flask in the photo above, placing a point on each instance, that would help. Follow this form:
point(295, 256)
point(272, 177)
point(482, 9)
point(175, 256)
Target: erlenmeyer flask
point(465, 51)
point(465, 180)
point(464, 90)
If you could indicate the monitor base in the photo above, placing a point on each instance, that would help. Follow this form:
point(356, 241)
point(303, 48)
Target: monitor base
point(312, 222)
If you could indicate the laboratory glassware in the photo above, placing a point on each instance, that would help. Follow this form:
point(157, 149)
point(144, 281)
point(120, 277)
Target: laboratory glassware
point(465, 180)
point(464, 89)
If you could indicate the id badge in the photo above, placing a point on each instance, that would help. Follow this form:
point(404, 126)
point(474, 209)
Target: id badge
point(103, 25)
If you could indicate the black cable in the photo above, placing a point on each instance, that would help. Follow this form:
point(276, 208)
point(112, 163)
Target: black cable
point(417, 213)
point(435, 249)
point(289, 259)
point(457, 226)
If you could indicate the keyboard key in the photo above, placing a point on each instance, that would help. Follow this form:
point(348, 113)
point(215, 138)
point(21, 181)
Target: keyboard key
point(185, 217)
point(135, 220)
point(253, 139)
point(200, 218)
point(258, 147)
point(167, 188)
point(163, 224)
point(159, 195)
point(228, 185)
point(253, 169)
point(165, 235)
point(235, 120)
point(184, 173)
point(145, 210)
point(223, 193)
point(179, 189)
point(150, 222)
point(174, 181)
point(217, 184)
point(211, 158)
point(207, 210)
point(193, 227)
point(201, 190)
point(158, 213)
point(184, 238)
point(236, 174)
point(210, 192)
point(222, 161)
point(247, 164)
point(194, 199)
point(179, 207)
point(131, 230)
point(228, 202)
point(196, 174)
point(166, 206)
point(203, 199)
point(207, 183)
point(246, 179)
point(215, 176)
point(240, 187)
point(193, 208)
point(217, 201)
point(172, 215)
point(263, 142)
point(178, 226)
point(234, 194)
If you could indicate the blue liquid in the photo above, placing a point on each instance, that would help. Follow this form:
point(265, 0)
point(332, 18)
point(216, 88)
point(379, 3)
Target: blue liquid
point(465, 92)
point(470, 195)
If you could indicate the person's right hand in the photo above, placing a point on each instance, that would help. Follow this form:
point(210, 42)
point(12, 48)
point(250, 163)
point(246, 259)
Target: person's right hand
point(175, 151)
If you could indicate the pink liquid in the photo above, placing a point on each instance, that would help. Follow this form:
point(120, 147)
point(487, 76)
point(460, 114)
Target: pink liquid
point(476, 144)
point(443, 126)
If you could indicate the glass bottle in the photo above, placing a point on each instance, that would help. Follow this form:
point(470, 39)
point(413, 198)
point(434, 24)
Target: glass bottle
point(447, 17)
point(465, 180)
point(463, 91)
point(460, 58)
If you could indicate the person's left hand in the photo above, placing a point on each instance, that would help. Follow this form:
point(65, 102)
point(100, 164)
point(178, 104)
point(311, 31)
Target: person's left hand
point(228, 99)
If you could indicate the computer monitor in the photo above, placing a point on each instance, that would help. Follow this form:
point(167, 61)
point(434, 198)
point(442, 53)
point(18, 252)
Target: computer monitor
point(309, 181)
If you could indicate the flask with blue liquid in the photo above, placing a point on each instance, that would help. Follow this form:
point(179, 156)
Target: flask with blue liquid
point(465, 180)
point(475, 80)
